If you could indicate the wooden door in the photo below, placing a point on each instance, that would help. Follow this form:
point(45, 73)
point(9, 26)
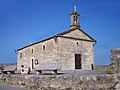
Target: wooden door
point(32, 64)
point(78, 61)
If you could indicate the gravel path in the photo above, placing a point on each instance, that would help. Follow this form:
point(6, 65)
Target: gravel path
point(9, 87)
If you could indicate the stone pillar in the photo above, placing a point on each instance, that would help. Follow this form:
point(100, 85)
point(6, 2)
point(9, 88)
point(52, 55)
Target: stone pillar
point(115, 60)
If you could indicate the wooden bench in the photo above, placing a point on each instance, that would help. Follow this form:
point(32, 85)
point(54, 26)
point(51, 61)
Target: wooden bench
point(9, 69)
point(48, 67)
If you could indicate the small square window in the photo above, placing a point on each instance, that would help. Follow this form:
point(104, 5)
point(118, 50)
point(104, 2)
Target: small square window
point(32, 50)
point(20, 55)
point(44, 47)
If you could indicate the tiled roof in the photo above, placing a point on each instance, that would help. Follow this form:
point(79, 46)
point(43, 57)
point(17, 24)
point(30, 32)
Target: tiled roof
point(59, 35)
point(67, 31)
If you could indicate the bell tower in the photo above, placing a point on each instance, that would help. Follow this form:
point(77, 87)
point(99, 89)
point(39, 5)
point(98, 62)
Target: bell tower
point(74, 19)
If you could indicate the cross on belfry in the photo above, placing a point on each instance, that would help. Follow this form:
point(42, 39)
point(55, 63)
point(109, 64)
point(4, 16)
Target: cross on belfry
point(74, 8)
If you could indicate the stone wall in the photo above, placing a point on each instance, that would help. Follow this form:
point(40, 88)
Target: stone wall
point(2, 66)
point(102, 67)
point(114, 66)
point(64, 82)
point(115, 59)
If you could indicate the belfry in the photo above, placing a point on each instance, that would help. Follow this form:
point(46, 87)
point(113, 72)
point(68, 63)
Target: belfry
point(74, 19)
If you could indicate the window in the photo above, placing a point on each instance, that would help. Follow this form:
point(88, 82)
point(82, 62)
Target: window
point(20, 55)
point(22, 70)
point(74, 18)
point(77, 43)
point(22, 66)
point(36, 62)
point(92, 66)
point(44, 47)
point(32, 50)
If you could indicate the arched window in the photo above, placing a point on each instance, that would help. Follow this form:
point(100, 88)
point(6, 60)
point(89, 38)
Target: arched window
point(74, 18)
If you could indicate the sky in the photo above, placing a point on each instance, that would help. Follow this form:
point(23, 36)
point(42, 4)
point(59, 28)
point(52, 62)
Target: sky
point(27, 21)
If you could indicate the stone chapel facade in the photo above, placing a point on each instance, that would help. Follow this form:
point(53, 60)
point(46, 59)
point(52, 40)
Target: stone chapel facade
point(73, 48)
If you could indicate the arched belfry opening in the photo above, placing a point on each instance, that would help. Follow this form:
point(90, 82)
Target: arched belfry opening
point(74, 19)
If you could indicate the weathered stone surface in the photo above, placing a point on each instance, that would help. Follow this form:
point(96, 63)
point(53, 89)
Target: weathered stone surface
point(115, 61)
point(65, 82)
point(114, 67)
point(2, 66)
point(103, 67)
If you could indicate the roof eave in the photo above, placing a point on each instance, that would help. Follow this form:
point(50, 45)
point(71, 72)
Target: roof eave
point(35, 43)
point(62, 33)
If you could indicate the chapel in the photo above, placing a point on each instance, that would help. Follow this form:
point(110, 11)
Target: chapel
point(73, 48)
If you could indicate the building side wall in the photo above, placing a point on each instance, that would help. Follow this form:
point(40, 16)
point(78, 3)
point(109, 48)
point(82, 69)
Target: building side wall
point(49, 55)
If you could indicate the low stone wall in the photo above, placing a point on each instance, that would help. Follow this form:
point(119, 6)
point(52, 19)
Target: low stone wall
point(2, 66)
point(64, 82)
point(114, 67)
point(102, 67)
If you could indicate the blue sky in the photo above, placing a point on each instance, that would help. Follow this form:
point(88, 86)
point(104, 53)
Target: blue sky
point(26, 21)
